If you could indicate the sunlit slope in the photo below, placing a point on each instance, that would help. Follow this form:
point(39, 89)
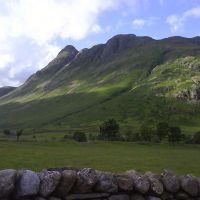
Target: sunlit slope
point(127, 78)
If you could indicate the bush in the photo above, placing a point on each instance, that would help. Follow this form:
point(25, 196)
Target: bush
point(196, 138)
point(175, 134)
point(131, 136)
point(79, 137)
point(7, 132)
point(19, 133)
point(109, 130)
point(162, 130)
point(146, 133)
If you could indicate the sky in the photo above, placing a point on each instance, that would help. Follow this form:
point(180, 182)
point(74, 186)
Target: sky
point(32, 32)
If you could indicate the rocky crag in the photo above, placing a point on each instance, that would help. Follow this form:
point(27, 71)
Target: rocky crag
point(87, 183)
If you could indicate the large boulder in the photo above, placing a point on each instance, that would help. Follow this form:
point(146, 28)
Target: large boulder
point(125, 183)
point(170, 182)
point(190, 185)
point(7, 182)
point(86, 180)
point(49, 181)
point(28, 184)
point(107, 182)
point(68, 179)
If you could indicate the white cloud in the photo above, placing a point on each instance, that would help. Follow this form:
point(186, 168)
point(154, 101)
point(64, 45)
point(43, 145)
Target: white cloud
point(177, 22)
point(29, 30)
point(140, 23)
point(5, 81)
point(5, 59)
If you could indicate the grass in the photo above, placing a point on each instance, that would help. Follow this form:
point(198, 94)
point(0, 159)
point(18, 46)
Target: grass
point(112, 156)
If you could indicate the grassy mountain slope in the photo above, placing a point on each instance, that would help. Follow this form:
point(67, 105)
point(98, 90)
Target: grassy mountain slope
point(133, 79)
point(5, 90)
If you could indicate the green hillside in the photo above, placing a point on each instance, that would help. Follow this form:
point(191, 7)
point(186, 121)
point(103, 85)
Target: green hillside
point(133, 79)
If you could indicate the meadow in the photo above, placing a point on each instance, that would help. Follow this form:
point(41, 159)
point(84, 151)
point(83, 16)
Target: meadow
point(112, 156)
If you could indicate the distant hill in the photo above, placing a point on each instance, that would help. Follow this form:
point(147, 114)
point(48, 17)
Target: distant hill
point(133, 79)
point(6, 90)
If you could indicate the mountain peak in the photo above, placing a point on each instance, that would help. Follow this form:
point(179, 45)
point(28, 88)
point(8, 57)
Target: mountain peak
point(69, 49)
point(122, 42)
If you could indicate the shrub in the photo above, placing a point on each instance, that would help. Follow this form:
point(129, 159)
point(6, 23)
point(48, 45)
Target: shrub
point(175, 134)
point(109, 130)
point(146, 133)
point(131, 136)
point(7, 132)
point(79, 137)
point(19, 133)
point(162, 129)
point(196, 138)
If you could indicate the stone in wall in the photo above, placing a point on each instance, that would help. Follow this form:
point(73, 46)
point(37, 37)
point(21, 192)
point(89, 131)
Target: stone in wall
point(90, 184)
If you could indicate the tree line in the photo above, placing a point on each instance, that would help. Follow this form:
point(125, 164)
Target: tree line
point(110, 130)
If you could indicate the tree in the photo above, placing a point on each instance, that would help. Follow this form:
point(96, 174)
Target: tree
point(79, 137)
point(146, 133)
point(131, 136)
point(162, 129)
point(6, 132)
point(174, 134)
point(19, 133)
point(109, 130)
point(196, 138)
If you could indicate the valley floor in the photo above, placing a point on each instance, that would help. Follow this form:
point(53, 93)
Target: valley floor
point(112, 156)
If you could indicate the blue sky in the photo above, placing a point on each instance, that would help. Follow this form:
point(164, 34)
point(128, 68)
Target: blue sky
point(32, 32)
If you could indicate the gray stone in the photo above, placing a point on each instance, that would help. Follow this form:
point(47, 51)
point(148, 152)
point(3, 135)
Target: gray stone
point(7, 182)
point(153, 198)
point(87, 196)
point(49, 181)
point(107, 182)
point(68, 179)
point(86, 180)
point(125, 183)
point(141, 184)
point(119, 197)
point(39, 198)
point(190, 185)
point(137, 197)
point(28, 184)
point(156, 186)
point(152, 175)
point(170, 182)
point(182, 196)
point(167, 196)
point(54, 198)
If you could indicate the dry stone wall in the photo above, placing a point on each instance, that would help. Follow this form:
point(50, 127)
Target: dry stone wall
point(90, 184)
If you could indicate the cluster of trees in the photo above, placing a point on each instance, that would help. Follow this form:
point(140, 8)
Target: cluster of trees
point(110, 130)
point(16, 133)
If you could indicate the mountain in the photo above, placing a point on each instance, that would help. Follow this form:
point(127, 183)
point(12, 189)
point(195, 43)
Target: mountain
point(6, 90)
point(133, 79)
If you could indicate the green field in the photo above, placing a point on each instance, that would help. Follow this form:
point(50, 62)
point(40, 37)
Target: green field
point(112, 156)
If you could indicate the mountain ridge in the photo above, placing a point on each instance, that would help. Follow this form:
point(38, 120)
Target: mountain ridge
point(116, 79)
